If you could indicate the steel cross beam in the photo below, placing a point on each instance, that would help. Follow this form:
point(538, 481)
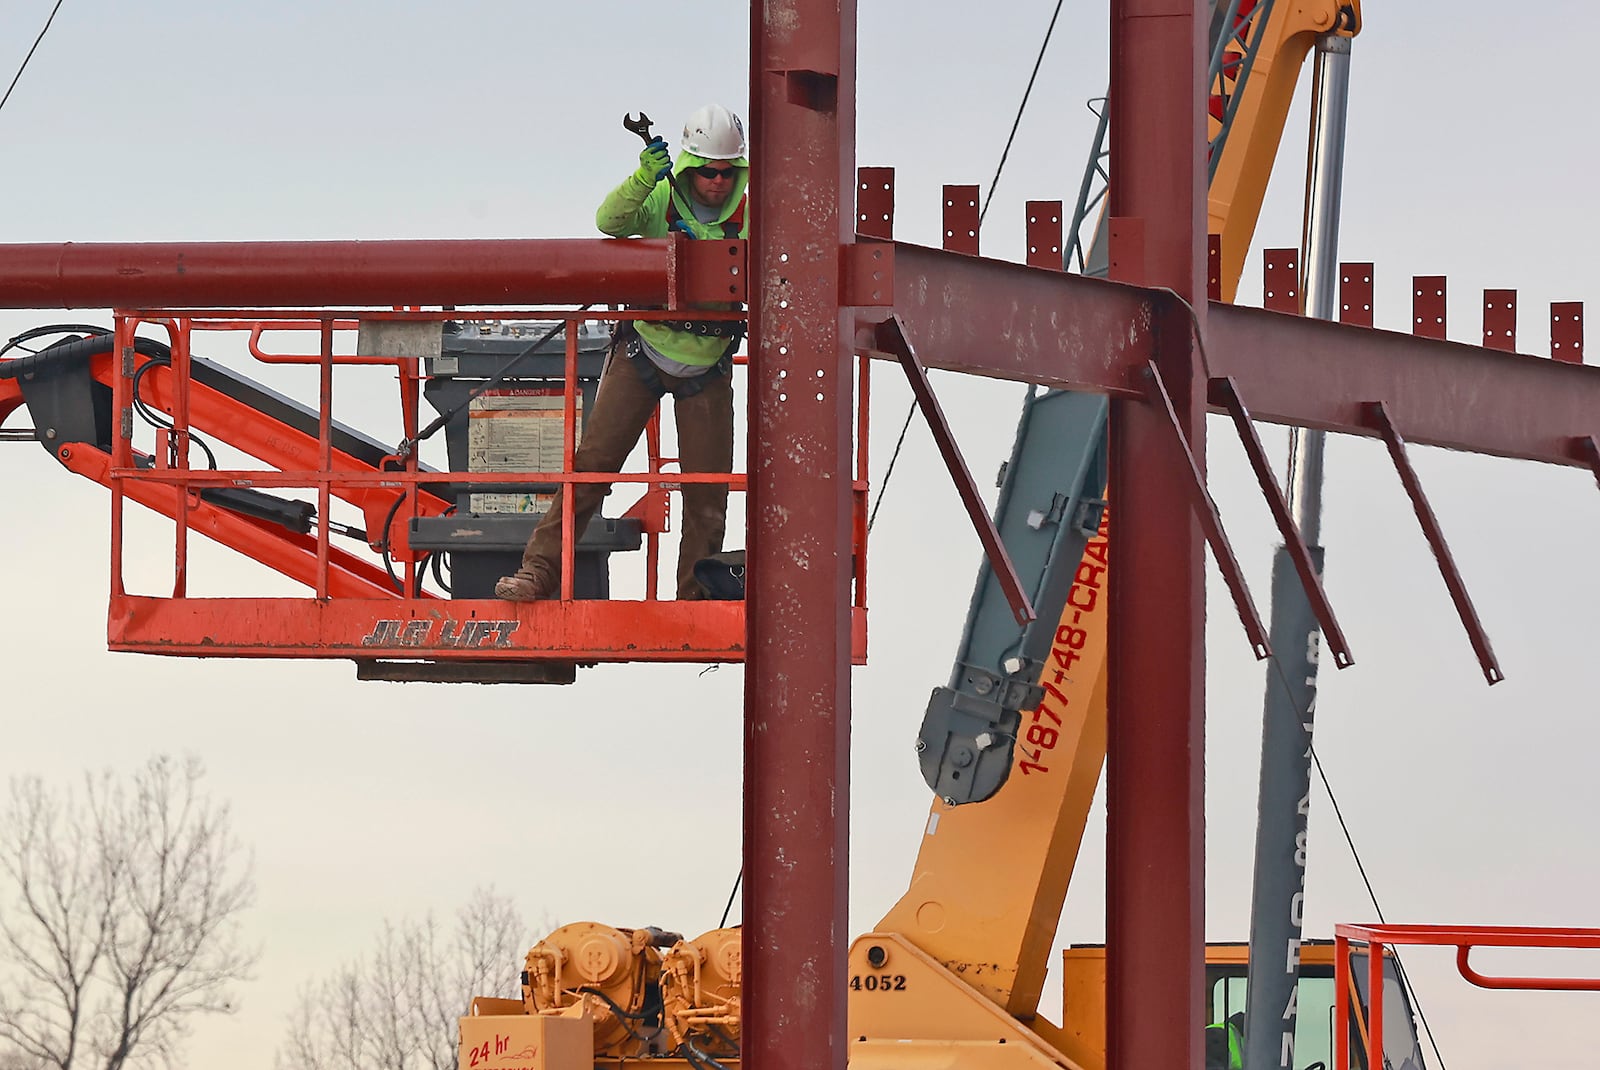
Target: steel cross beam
point(652, 271)
point(1088, 334)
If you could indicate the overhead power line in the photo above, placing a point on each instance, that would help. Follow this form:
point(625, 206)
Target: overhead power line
point(29, 56)
point(1361, 868)
point(1026, 93)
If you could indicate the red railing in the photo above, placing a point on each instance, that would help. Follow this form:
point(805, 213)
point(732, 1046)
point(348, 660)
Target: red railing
point(1379, 938)
point(354, 605)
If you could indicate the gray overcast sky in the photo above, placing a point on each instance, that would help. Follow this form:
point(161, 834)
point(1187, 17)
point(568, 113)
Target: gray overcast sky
point(182, 120)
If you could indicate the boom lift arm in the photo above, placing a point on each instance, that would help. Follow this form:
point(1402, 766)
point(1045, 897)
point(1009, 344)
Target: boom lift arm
point(67, 388)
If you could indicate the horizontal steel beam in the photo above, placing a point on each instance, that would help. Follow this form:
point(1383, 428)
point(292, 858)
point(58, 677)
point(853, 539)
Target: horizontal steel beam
point(1008, 321)
point(968, 314)
point(1292, 370)
point(379, 273)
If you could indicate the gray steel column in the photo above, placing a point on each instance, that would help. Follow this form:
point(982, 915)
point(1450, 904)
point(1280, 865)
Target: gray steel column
point(1291, 690)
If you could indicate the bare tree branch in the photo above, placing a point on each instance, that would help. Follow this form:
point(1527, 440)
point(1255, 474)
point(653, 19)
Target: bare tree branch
point(396, 1009)
point(56, 937)
point(128, 903)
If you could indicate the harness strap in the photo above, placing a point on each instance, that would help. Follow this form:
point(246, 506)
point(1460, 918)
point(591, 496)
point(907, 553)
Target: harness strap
point(650, 375)
point(730, 226)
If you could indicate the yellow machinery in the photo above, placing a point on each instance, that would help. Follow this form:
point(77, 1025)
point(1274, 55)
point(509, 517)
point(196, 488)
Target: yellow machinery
point(1279, 44)
point(952, 975)
point(593, 995)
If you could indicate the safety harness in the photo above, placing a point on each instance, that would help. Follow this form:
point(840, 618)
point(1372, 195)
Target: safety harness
point(730, 226)
point(632, 346)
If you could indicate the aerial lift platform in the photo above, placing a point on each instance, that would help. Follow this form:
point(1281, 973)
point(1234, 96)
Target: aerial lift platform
point(510, 388)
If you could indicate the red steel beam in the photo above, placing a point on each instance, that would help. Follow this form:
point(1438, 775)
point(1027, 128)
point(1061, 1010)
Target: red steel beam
point(892, 336)
point(1205, 508)
point(1155, 800)
point(1089, 334)
point(1316, 374)
point(1057, 329)
point(1379, 415)
point(1226, 393)
point(797, 675)
point(260, 274)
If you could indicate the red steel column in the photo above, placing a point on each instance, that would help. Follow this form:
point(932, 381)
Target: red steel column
point(1154, 780)
point(797, 671)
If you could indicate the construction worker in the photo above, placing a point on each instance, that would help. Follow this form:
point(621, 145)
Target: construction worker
point(691, 360)
point(1225, 1043)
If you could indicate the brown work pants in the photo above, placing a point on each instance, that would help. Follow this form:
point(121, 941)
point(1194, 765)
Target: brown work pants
point(623, 405)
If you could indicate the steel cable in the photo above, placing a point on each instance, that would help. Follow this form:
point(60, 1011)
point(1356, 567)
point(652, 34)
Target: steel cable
point(984, 211)
point(25, 59)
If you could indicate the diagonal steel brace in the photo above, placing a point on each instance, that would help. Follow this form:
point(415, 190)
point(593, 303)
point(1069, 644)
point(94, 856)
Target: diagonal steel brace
point(1376, 416)
point(890, 336)
point(1206, 511)
point(1225, 392)
point(1587, 450)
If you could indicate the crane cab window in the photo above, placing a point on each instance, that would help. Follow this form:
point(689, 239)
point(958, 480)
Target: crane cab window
point(1313, 1035)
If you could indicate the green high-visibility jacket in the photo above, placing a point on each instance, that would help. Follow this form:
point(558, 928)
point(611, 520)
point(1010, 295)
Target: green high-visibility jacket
point(638, 208)
point(1217, 1034)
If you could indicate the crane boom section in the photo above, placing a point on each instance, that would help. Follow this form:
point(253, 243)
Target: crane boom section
point(990, 879)
point(993, 922)
point(1278, 45)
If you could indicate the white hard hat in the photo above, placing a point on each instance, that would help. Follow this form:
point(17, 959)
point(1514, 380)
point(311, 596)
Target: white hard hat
point(714, 133)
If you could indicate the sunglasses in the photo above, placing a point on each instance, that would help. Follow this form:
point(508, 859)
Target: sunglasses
point(714, 173)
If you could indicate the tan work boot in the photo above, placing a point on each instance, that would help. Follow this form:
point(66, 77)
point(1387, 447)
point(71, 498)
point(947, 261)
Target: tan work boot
point(524, 586)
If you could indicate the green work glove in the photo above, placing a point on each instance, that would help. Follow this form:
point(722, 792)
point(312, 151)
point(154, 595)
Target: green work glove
point(654, 163)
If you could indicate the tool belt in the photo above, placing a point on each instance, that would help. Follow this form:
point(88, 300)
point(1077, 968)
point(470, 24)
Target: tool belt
point(707, 328)
point(627, 342)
